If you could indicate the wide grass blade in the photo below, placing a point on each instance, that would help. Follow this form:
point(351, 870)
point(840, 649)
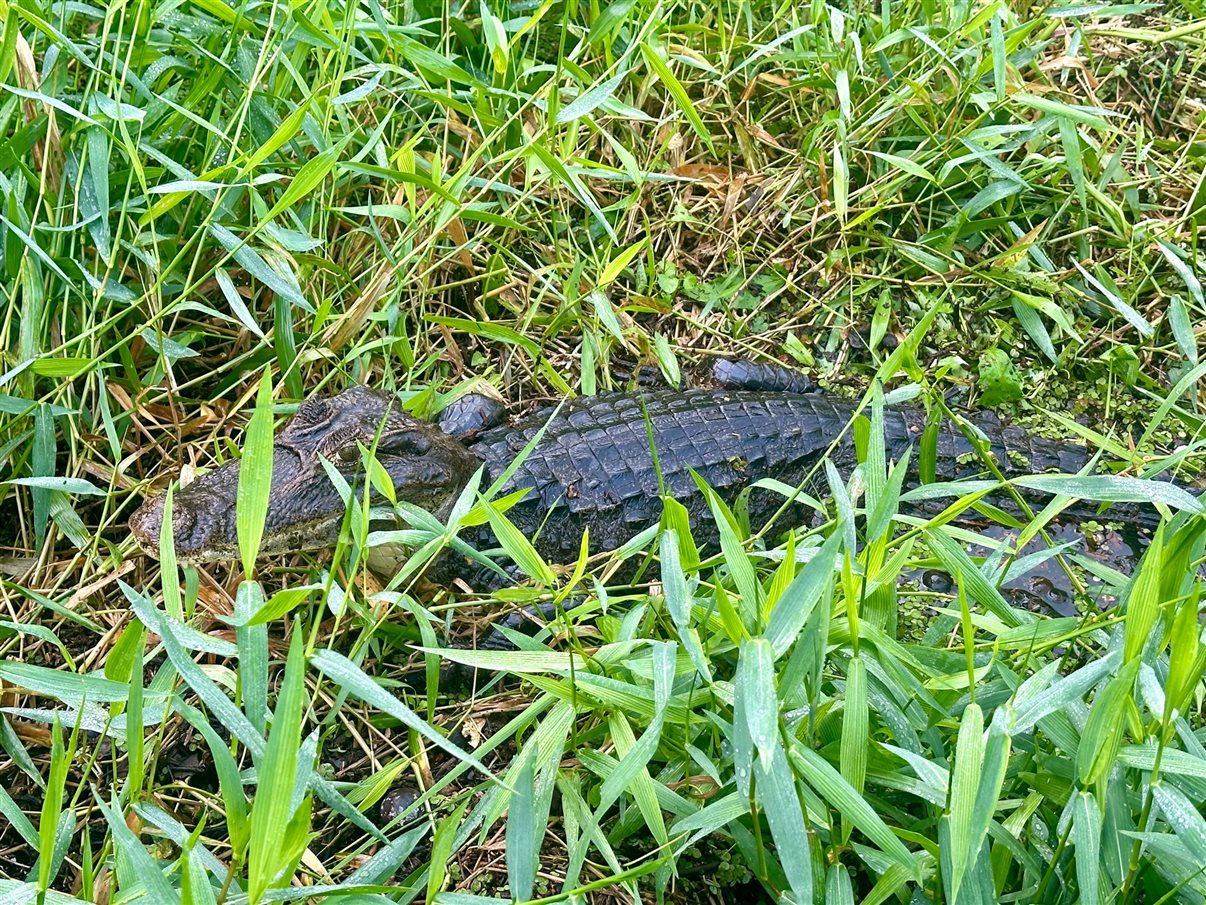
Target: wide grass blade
point(755, 683)
point(522, 842)
point(1086, 836)
point(255, 478)
point(855, 725)
point(347, 675)
point(441, 850)
point(518, 547)
point(679, 601)
point(781, 803)
point(1113, 489)
point(252, 642)
point(964, 845)
point(270, 859)
point(959, 564)
point(1184, 817)
point(1102, 735)
point(1143, 599)
point(654, 59)
point(831, 786)
point(135, 866)
point(52, 805)
point(735, 556)
point(795, 606)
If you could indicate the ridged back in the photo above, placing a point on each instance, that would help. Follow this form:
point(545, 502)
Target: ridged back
point(593, 467)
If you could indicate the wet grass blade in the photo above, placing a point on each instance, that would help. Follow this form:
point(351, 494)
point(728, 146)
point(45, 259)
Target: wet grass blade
point(781, 803)
point(135, 742)
point(679, 600)
point(831, 786)
point(1086, 837)
point(519, 548)
point(135, 866)
point(755, 683)
point(959, 564)
point(1184, 817)
point(855, 727)
point(230, 784)
point(270, 858)
point(1143, 599)
point(1102, 735)
point(793, 609)
point(255, 478)
point(441, 850)
point(168, 571)
point(52, 806)
point(252, 641)
point(735, 556)
point(1114, 489)
point(347, 675)
point(522, 841)
point(655, 61)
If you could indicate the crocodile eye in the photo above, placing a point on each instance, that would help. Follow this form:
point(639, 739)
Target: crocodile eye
point(314, 411)
point(347, 455)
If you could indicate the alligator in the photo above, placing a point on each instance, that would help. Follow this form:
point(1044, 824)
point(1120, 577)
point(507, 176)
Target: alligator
point(599, 462)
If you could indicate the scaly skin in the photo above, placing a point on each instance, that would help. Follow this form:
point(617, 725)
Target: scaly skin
point(304, 509)
point(593, 467)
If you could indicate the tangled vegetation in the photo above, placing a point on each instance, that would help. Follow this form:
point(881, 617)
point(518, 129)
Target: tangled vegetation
point(213, 210)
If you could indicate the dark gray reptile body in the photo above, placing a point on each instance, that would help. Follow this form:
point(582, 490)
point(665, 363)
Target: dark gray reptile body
point(593, 467)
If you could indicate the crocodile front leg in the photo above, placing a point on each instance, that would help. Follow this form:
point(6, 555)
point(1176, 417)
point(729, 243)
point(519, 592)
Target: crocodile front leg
point(466, 417)
point(729, 374)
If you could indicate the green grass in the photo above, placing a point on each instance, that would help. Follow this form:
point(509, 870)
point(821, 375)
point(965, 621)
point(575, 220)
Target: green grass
point(211, 210)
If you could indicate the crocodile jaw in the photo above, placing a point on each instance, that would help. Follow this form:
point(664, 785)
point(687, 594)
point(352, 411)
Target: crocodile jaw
point(147, 522)
point(305, 509)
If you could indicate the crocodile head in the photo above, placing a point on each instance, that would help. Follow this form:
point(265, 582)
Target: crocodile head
point(305, 510)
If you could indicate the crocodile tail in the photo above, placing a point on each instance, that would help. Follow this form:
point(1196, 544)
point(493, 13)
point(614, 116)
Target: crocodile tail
point(1025, 453)
point(1014, 451)
point(1020, 453)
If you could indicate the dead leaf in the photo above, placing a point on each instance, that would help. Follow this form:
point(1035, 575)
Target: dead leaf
point(474, 731)
point(350, 324)
point(700, 171)
point(460, 238)
point(769, 78)
point(732, 198)
point(765, 137)
point(83, 593)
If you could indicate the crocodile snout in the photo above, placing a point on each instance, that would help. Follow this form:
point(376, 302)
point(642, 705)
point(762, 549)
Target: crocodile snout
point(147, 522)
